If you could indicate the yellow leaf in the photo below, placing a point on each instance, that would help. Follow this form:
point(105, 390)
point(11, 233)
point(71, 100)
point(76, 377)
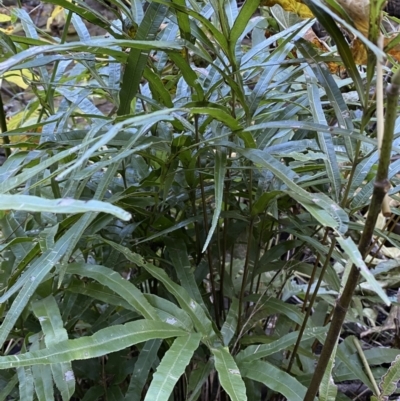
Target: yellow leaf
point(19, 120)
point(290, 5)
point(4, 18)
point(17, 77)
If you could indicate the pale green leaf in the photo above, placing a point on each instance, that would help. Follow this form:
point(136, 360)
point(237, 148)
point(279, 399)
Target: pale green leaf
point(354, 254)
point(229, 374)
point(275, 379)
point(171, 367)
point(118, 284)
point(178, 254)
point(255, 352)
point(191, 307)
point(219, 177)
point(390, 380)
point(25, 379)
point(328, 389)
point(48, 314)
point(147, 357)
point(103, 342)
point(229, 327)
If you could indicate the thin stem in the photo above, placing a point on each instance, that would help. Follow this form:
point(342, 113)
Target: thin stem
point(381, 186)
point(310, 306)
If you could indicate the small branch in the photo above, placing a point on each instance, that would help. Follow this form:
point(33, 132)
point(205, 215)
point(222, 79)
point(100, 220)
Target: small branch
point(381, 187)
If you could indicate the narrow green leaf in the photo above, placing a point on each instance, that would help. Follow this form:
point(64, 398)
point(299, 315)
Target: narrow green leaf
point(246, 12)
point(325, 140)
point(219, 179)
point(188, 74)
point(361, 172)
point(229, 374)
point(137, 60)
point(43, 380)
point(320, 206)
point(328, 389)
point(103, 342)
point(42, 376)
point(274, 379)
point(25, 379)
point(172, 366)
point(160, 93)
point(219, 115)
point(254, 352)
point(31, 280)
point(14, 182)
point(170, 312)
point(6, 390)
point(67, 205)
point(192, 308)
point(178, 254)
point(354, 254)
point(390, 380)
point(228, 329)
point(198, 377)
point(46, 310)
point(116, 283)
point(214, 31)
point(104, 45)
point(183, 21)
point(145, 361)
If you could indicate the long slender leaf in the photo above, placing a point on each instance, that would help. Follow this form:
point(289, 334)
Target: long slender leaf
point(137, 60)
point(172, 367)
point(101, 343)
point(46, 310)
point(36, 204)
point(115, 282)
point(275, 379)
point(219, 177)
point(229, 374)
point(145, 361)
point(191, 307)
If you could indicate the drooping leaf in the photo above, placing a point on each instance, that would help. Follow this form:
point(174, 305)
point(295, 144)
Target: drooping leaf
point(275, 379)
point(103, 342)
point(36, 204)
point(354, 254)
point(115, 282)
point(172, 366)
point(48, 314)
point(145, 361)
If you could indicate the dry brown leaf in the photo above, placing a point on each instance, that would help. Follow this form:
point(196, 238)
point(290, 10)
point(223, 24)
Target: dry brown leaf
point(358, 11)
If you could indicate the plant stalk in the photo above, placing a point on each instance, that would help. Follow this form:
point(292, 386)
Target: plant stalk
point(381, 186)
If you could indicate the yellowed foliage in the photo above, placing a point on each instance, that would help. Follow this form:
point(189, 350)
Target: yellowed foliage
point(57, 16)
point(290, 5)
point(4, 18)
point(17, 77)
